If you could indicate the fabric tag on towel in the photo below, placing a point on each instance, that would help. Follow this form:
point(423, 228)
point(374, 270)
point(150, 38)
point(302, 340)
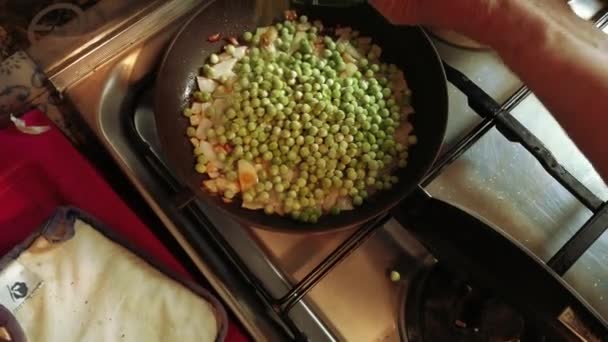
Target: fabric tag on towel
point(17, 284)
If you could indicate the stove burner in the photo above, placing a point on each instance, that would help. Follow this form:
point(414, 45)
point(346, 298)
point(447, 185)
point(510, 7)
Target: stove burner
point(441, 307)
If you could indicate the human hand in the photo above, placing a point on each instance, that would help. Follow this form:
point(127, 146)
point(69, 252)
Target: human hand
point(462, 15)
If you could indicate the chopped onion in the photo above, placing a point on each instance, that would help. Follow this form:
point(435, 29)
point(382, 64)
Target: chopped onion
point(195, 119)
point(348, 58)
point(239, 52)
point(224, 56)
point(269, 36)
point(205, 84)
point(223, 185)
point(351, 50)
point(252, 205)
point(291, 175)
point(203, 126)
point(349, 70)
point(222, 91)
point(223, 69)
point(211, 185)
point(208, 151)
point(204, 108)
point(216, 111)
point(194, 141)
point(330, 200)
point(247, 174)
point(196, 108)
point(213, 169)
point(271, 48)
point(344, 203)
point(295, 44)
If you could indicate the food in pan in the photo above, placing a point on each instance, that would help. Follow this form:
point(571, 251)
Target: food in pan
point(300, 120)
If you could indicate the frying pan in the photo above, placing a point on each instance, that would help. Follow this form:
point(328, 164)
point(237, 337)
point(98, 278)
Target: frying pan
point(407, 47)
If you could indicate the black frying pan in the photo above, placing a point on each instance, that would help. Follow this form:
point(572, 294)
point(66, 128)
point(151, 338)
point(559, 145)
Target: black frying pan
point(407, 47)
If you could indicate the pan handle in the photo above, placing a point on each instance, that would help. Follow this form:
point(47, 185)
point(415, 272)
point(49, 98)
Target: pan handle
point(495, 262)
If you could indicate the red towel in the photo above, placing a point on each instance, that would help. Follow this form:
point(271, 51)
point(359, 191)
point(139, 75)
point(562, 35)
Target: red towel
point(41, 172)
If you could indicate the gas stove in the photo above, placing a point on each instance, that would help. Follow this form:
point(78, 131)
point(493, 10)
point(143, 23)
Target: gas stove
point(507, 161)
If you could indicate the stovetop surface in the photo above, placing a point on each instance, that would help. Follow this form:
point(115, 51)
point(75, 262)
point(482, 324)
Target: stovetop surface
point(495, 178)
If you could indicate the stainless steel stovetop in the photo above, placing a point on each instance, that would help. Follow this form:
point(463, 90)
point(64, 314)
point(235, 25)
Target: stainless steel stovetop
point(355, 300)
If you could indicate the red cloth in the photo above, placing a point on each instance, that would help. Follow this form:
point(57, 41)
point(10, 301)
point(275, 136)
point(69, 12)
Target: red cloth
point(41, 172)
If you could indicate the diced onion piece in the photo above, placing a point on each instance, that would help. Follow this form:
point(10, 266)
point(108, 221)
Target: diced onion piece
point(204, 107)
point(344, 203)
point(223, 69)
point(348, 58)
point(261, 30)
point(222, 91)
point(289, 176)
point(295, 44)
point(196, 108)
point(271, 49)
point(208, 151)
point(220, 105)
point(213, 168)
point(195, 119)
point(224, 56)
point(351, 50)
point(234, 186)
point(205, 84)
point(223, 185)
point(252, 205)
point(240, 51)
point(275, 202)
point(211, 185)
point(269, 36)
point(330, 200)
point(203, 126)
point(349, 70)
point(247, 175)
point(195, 142)
point(278, 208)
point(216, 111)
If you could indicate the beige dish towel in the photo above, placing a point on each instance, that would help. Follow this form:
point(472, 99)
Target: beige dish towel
point(88, 288)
